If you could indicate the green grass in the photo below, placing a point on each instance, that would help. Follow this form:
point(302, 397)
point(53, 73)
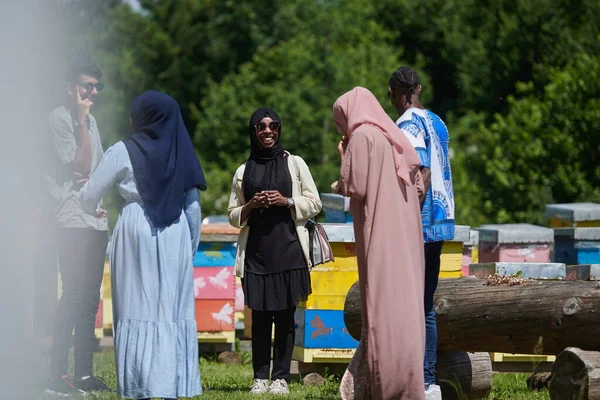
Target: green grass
point(232, 382)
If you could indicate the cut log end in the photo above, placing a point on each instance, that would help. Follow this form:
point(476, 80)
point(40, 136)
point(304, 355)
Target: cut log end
point(576, 375)
point(571, 306)
point(464, 375)
point(539, 380)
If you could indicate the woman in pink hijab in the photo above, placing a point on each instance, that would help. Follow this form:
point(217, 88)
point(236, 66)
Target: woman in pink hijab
point(380, 174)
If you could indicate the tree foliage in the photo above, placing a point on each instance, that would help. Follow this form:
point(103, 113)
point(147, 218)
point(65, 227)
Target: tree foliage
point(517, 83)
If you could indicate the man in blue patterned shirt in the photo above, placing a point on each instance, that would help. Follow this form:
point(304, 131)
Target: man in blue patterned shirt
point(429, 135)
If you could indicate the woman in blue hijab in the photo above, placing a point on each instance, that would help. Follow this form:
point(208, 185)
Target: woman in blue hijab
point(158, 174)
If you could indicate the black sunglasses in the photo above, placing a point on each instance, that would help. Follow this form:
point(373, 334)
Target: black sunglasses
point(90, 86)
point(274, 126)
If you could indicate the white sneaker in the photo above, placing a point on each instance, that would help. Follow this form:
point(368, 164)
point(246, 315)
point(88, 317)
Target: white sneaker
point(279, 386)
point(433, 392)
point(260, 386)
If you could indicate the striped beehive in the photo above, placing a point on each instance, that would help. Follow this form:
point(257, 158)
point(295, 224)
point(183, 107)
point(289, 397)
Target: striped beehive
point(515, 243)
point(573, 215)
point(452, 253)
point(215, 283)
point(336, 208)
point(321, 334)
point(577, 245)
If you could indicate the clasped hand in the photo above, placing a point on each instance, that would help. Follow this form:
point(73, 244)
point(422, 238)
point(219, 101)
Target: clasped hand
point(268, 198)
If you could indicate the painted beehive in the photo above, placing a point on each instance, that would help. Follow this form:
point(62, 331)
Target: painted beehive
point(336, 208)
point(577, 245)
point(331, 281)
point(567, 215)
point(106, 296)
point(515, 243)
point(214, 315)
point(451, 257)
point(215, 283)
point(322, 329)
point(214, 254)
point(321, 334)
point(470, 251)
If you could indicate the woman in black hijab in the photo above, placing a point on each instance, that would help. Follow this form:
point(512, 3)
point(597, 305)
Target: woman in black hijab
point(272, 196)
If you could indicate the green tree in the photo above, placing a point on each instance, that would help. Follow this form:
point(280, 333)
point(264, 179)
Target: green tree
point(300, 78)
point(546, 149)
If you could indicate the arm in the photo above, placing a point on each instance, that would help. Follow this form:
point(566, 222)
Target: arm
point(417, 137)
point(426, 180)
point(308, 204)
point(239, 210)
point(110, 170)
point(421, 190)
point(82, 163)
point(236, 204)
point(73, 148)
point(355, 167)
point(193, 214)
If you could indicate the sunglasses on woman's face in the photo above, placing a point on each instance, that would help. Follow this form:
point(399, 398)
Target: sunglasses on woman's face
point(274, 126)
point(90, 86)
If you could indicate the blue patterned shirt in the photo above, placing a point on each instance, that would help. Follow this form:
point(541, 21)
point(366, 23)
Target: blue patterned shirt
point(429, 135)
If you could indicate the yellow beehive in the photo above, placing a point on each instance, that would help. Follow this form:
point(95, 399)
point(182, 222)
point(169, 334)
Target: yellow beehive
point(345, 258)
point(559, 223)
point(217, 337)
point(451, 258)
point(450, 274)
point(508, 357)
point(322, 355)
point(329, 289)
point(475, 255)
point(573, 215)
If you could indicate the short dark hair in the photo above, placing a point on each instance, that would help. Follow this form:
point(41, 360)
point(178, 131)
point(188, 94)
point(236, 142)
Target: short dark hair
point(406, 81)
point(82, 66)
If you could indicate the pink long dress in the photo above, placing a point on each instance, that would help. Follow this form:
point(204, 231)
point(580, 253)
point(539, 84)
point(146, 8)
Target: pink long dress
point(380, 174)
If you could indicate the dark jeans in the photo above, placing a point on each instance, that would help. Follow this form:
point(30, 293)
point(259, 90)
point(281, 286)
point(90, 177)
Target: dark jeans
point(433, 251)
point(81, 261)
point(285, 335)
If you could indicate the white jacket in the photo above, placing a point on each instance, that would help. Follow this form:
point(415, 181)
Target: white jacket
point(307, 204)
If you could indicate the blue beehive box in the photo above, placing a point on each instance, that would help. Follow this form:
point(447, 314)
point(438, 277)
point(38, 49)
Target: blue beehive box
point(336, 208)
point(215, 254)
point(322, 329)
point(577, 245)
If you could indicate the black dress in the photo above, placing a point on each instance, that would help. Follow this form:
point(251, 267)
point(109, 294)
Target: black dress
point(276, 276)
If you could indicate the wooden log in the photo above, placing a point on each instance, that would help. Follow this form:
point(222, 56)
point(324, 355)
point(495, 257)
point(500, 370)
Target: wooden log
point(539, 380)
point(544, 317)
point(576, 375)
point(464, 375)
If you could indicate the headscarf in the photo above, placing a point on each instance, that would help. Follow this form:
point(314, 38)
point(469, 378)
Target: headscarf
point(164, 162)
point(358, 107)
point(276, 174)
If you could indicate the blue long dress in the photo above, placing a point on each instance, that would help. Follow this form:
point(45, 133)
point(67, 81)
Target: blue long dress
point(154, 326)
